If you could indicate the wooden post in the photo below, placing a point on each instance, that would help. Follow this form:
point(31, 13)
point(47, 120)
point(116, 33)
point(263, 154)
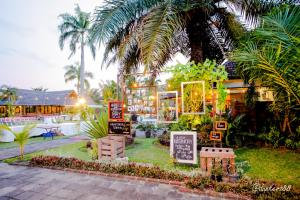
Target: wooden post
point(232, 166)
point(203, 163)
point(209, 165)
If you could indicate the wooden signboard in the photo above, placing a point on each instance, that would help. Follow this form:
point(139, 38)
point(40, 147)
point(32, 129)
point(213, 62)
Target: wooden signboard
point(221, 125)
point(215, 135)
point(115, 110)
point(184, 147)
point(119, 128)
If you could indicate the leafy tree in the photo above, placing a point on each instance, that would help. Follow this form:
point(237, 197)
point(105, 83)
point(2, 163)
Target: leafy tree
point(73, 73)
point(20, 137)
point(76, 28)
point(149, 32)
point(270, 56)
point(108, 90)
point(9, 94)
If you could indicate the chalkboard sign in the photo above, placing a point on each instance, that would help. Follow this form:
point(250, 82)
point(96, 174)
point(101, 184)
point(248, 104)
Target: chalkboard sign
point(115, 110)
point(214, 135)
point(221, 125)
point(119, 128)
point(184, 147)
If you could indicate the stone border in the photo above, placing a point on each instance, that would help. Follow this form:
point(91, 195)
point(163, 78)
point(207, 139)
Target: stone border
point(179, 185)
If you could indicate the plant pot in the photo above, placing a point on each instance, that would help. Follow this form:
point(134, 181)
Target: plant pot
point(219, 178)
point(148, 134)
point(233, 178)
point(212, 177)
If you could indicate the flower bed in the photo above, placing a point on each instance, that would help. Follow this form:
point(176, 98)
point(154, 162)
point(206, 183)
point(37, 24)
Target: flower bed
point(245, 187)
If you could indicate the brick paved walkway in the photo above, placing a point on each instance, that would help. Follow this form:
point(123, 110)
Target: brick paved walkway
point(18, 182)
point(40, 146)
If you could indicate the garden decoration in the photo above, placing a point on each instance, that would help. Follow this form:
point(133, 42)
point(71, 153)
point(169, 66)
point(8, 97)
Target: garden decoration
point(224, 156)
point(141, 99)
point(115, 110)
point(183, 146)
point(215, 136)
point(119, 128)
point(193, 97)
point(111, 147)
point(167, 107)
point(221, 125)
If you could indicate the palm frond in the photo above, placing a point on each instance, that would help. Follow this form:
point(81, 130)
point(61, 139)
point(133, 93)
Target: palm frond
point(97, 128)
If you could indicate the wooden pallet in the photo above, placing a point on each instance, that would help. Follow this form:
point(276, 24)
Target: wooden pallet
point(111, 147)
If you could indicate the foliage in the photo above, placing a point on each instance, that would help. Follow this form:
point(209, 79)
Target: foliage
point(20, 137)
point(242, 167)
point(130, 169)
point(41, 89)
point(76, 29)
point(145, 126)
point(270, 55)
point(73, 74)
point(9, 95)
point(165, 138)
point(274, 137)
point(97, 128)
point(109, 91)
point(93, 150)
point(149, 32)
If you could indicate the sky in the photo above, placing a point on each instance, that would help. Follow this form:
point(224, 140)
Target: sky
point(30, 56)
point(29, 52)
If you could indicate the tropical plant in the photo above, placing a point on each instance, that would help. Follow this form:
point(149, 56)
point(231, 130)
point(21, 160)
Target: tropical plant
point(73, 73)
point(149, 32)
point(9, 95)
point(270, 56)
point(76, 29)
point(20, 137)
point(109, 91)
point(97, 128)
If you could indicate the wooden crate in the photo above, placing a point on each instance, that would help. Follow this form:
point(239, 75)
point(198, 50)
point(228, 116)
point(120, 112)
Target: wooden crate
point(209, 156)
point(111, 147)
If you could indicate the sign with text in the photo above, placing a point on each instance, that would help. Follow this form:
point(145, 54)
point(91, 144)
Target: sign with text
point(221, 125)
point(115, 110)
point(184, 147)
point(119, 128)
point(214, 135)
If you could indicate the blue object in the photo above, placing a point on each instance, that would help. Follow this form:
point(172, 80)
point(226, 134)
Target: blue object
point(48, 134)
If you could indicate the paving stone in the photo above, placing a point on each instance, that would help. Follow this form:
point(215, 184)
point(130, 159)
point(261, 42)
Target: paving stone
point(48, 184)
point(6, 189)
point(25, 195)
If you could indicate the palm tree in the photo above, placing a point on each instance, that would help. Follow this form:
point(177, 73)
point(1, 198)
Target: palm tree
point(270, 55)
point(148, 32)
point(20, 137)
point(109, 91)
point(9, 94)
point(73, 73)
point(76, 29)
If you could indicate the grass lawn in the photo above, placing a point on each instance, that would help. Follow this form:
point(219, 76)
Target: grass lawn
point(30, 141)
point(76, 150)
point(265, 164)
point(271, 164)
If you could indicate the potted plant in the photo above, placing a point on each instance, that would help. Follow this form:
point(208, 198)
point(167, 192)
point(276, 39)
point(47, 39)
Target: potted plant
point(147, 128)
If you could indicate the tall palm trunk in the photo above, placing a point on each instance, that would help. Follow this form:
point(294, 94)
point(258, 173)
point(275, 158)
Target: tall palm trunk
point(196, 34)
point(81, 92)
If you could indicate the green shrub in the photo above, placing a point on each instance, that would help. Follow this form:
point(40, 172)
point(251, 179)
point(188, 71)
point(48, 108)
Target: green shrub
point(130, 169)
point(97, 128)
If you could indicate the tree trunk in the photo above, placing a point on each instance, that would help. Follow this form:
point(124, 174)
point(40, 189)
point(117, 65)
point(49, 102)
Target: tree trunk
point(21, 152)
point(82, 92)
point(196, 34)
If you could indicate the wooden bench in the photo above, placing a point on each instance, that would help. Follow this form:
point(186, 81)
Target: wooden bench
point(111, 147)
point(209, 156)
